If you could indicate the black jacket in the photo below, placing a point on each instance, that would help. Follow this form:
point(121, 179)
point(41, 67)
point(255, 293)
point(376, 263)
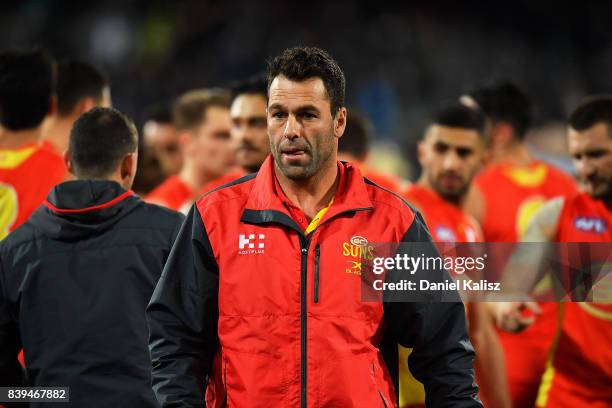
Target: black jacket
point(74, 284)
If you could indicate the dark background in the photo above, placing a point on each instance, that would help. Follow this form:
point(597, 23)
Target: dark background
point(401, 61)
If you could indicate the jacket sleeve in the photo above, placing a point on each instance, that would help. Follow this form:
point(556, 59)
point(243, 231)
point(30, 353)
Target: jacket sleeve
point(182, 318)
point(11, 373)
point(435, 327)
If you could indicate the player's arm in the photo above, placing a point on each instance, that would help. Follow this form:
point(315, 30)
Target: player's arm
point(442, 357)
point(11, 373)
point(524, 269)
point(489, 364)
point(182, 318)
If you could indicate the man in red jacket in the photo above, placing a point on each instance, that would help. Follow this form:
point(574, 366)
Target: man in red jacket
point(257, 304)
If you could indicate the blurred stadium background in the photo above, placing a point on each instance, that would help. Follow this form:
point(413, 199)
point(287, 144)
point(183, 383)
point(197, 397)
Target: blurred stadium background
point(401, 61)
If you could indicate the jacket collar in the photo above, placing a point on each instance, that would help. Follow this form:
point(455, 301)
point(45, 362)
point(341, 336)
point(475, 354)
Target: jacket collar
point(265, 205)
point(82, 208)
point(85, 196)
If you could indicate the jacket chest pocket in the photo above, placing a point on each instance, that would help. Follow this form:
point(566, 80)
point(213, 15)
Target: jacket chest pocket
point(260, 283)
point(317, 273)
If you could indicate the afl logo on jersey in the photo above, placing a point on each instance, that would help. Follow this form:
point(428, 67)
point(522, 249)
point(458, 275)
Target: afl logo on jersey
point(591, 224)
point(445, 234)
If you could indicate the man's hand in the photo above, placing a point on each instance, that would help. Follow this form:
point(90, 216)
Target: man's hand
point(514, 317)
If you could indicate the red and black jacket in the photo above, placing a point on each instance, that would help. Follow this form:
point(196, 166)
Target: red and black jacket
point(258, 314)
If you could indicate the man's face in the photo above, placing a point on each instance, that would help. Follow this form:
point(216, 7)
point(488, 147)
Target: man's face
point(303, 133)
point(162, 139)
point(591, 151)
point(212, 149)
point(249, 130)
point(450, 158)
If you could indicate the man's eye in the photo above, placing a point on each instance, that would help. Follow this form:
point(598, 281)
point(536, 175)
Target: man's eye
point(278, 115)
point(440, 148)
point(596, 154)
point(463, 153)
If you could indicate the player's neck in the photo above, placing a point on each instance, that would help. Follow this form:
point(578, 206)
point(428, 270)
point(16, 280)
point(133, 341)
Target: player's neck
point(194, 179)
point(314, 194)
point(515, 153)
point(57, 132)
point(423, 182)
point(15, 139)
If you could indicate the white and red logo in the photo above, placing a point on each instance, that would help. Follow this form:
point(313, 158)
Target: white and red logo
point(251, 244)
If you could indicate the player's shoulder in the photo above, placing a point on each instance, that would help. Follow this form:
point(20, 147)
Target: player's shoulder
point(235, 190)
point(22, 236)
point(489, 175)
point(169, 184)
point(387, 200)
point(560, 176)
point(160, 216)
point(48, 155)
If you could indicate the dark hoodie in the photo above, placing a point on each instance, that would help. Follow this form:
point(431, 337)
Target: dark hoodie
point(75, 280)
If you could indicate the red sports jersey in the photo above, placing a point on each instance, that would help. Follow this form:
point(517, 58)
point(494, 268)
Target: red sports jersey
point(172, 193)
point(446, 222)
point(176, 195)
point(27, 174)
point(579, 370)
point(512, 195)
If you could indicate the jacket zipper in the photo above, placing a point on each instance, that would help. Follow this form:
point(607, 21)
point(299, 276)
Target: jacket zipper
point(316, 273)
point(305, 243)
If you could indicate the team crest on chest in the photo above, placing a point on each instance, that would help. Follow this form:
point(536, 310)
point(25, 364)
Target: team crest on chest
point(355, 251)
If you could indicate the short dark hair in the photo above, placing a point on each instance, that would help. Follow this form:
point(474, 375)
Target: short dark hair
point(504, 101)
point(99, 139)
point(592, 110)
point(190, 108)
point(357, 135)
point(77, 80)
point(26, 87)
point(256, 85)
point(457, 115)
point(302, 63)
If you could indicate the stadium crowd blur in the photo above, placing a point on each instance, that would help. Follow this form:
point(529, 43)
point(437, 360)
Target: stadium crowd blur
point(402, 59)
point(194, 71)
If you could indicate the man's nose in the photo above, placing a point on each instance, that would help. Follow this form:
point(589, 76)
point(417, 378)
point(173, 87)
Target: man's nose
point(585, 168)
point(244, 133)
point(292, 127)
point(451, 161)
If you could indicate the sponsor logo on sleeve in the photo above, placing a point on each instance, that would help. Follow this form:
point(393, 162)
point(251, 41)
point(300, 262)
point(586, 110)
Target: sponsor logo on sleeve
point(596, 225)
